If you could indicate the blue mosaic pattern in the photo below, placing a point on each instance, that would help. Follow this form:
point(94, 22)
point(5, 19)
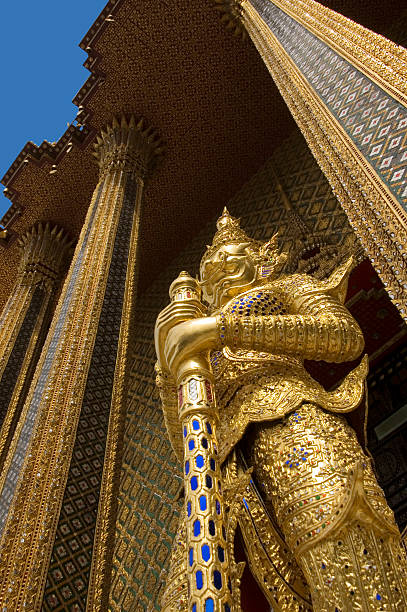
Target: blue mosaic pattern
point(375, 122)
point(203, 497)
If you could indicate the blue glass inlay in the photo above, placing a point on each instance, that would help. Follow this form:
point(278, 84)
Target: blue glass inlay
point(208, 427)
point(221, 554)
point(199, 461)
point(217, 579)
point(202, 503)
point(191, 445)
point(197, 528)
point(194, 608)
point(191, 557)
point(199, 580)
point(245, 503)
point(189, 508)
point(211, 526)
point(212, 464)
point(187, 467)
point(208, 481)
point(217, 504)
point(204, 443)
point(195, 425)
point(209, 605)
point(194, 483)
point(227, 608)
point(378, 597)
point(206, 552)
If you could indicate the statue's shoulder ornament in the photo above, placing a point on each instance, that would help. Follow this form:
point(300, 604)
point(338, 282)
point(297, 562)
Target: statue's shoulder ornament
point(291, 287)
point(336, 284)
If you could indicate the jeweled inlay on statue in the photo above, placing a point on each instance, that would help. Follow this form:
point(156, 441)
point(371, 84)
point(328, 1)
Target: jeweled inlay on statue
point(273, 453)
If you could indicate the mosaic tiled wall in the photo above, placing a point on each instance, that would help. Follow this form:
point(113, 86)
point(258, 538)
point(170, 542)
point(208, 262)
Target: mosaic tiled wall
point(150, 482)
point(375, 122)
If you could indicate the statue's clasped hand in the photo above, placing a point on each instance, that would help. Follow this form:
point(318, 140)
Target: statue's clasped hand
point(181, 330)
point(189, 339)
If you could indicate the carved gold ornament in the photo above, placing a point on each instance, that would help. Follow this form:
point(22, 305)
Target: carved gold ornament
point(294, 476)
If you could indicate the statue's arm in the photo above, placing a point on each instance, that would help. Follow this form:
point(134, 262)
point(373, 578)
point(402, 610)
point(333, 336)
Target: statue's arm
point(317, 327)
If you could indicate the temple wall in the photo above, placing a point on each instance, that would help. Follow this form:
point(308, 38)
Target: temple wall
point(151, 477)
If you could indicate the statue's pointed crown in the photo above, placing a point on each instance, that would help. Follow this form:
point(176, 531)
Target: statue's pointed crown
point(230, 232)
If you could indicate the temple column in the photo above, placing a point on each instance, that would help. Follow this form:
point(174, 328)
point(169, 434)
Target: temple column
point(45, 250)
point(80, 376)
point(345, 87)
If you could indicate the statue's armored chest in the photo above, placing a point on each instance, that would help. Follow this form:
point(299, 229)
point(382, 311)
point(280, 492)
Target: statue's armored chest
point(228, 365)
point(257, 303)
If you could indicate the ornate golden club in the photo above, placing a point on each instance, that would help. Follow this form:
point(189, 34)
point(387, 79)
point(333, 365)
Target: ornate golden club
point(207, 563)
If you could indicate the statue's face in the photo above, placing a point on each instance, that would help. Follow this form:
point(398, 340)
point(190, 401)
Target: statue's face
point(230, 271)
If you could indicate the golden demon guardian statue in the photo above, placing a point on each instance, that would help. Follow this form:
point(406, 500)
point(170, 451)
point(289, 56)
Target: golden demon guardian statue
point(273, 454)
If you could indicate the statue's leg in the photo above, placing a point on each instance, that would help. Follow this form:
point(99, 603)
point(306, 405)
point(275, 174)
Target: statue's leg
point(175, 594)
point(332, 511)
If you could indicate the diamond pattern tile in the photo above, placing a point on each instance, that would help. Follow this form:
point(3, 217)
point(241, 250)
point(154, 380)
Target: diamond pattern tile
point(375, 122)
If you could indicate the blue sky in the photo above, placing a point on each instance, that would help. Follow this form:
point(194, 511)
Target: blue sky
point(40, 70)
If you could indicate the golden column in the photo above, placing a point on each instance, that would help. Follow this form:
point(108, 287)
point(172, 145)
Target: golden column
point(346, 88)
point(205, 516)
point(46, 249)
point(94, 310)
